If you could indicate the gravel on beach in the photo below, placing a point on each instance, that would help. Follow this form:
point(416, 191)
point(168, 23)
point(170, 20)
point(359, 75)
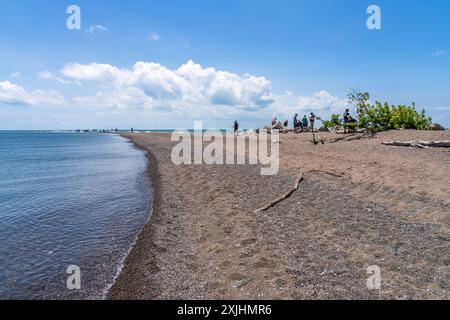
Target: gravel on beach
point(389, 209)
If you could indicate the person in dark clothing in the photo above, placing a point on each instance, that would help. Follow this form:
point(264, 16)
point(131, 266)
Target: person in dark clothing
point(236, 127)
point(305, 121)
point(297, 124)
point(286, 124)
point(312, 120)
point(346, 116)
point(352, 120)
point(274, 122)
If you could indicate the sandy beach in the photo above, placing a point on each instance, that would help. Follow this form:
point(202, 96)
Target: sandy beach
point(381, 205)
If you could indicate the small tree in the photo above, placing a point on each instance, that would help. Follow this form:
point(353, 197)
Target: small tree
point(361, 100)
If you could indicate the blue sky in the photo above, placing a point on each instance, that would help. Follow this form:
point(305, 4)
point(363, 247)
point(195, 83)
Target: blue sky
point(251, 60)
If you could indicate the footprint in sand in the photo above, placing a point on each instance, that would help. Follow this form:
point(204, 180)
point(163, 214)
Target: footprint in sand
point(264, 263)
point(236, 276)
point(225, 265)
point(248, 242)
point(280, 283)
point(228, 229)
point(202, 240)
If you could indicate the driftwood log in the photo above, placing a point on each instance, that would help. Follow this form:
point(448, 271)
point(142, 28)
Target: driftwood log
point(419, 144)
point(299, 180)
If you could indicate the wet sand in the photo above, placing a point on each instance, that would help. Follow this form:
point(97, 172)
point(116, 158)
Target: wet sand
point(390, 208)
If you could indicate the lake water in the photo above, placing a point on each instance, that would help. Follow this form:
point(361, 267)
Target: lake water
point(68, 199)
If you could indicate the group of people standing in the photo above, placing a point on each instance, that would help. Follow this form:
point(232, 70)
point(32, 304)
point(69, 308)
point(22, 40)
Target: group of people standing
point(306, 122)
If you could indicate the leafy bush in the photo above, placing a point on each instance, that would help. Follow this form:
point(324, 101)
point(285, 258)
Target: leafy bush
point(406, 117)
point(379, 117)
point(335, 121)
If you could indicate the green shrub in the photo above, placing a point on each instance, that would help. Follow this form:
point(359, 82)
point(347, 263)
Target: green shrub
point(380, 117)
point(335, 121)
point(406, 117)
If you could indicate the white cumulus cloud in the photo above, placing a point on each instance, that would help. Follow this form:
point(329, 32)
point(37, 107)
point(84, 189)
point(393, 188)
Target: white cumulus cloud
point(46, 75)
point(438, 53)
point(11, 93)
point(96, 28)
point(190, 90)
point(190, 83)
point(16, 75)
point(193, 90)
point(153, 36)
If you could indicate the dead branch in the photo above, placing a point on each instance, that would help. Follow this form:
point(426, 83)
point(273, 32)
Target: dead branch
point(299, 180)
point(419, 144)
point(352, 137)
point(284, 196)
point(336, 175)
point(341, 138)
point(364, 135)
point(315, 141)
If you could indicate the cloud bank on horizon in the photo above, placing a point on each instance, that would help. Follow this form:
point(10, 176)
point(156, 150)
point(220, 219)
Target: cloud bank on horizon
point(190, 91)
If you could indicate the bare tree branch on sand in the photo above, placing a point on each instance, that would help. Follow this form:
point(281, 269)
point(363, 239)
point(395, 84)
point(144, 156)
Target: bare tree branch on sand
point(299, 180)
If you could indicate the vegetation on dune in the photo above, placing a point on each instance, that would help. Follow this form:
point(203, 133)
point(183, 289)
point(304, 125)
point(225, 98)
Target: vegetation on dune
point(382, 116)
point(379, 116)
point(335, 121)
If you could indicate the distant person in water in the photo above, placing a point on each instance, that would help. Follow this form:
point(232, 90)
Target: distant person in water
point(312, 120)
point(236, 127)
point(286, 124)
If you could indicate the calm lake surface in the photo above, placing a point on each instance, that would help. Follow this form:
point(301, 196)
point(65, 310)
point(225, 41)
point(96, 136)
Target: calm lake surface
point(68, 199)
